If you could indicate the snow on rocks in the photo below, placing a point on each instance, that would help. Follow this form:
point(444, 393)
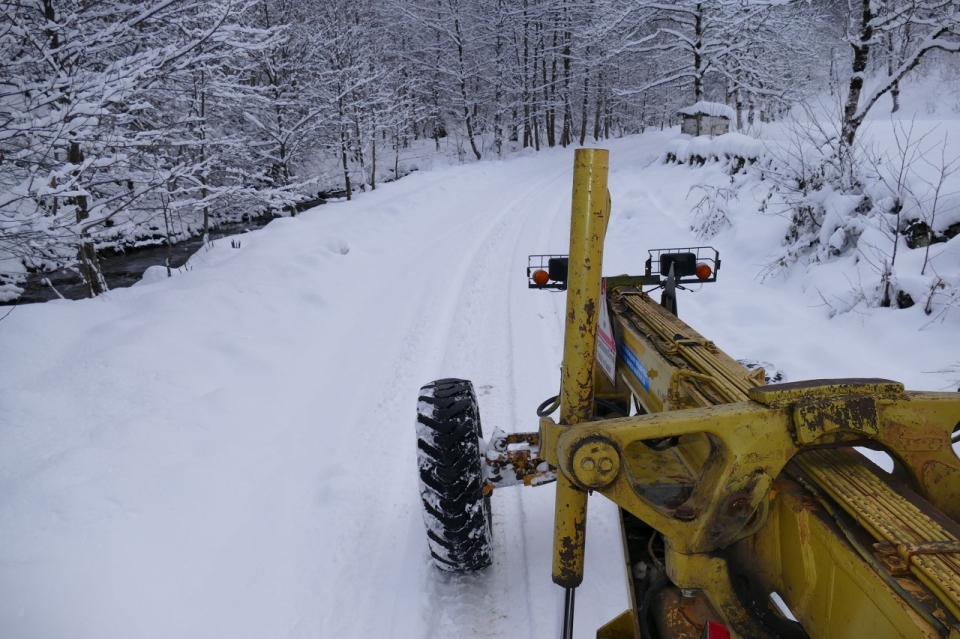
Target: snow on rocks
point(735, 147)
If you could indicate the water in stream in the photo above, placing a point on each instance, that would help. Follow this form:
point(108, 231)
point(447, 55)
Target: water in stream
point(122, 269)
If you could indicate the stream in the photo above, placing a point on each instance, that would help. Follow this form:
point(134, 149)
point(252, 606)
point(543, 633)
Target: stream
point(121, 269)
point(125, 268)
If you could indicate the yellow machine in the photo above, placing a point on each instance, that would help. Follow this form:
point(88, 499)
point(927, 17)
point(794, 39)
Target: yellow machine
point(745, 510)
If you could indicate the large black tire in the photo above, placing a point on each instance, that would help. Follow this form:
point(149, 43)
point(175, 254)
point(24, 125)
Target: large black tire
point(455, 511)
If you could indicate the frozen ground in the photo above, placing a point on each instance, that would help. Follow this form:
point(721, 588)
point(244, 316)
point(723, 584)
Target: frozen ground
point(230, 452)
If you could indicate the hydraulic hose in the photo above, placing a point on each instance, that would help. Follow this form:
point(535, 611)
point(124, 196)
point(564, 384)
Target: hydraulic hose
point(658, 584)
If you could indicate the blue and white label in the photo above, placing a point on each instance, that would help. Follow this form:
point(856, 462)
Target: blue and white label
point(636, 366)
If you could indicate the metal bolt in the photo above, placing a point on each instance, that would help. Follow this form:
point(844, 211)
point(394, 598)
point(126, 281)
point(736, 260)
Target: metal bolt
point(739, 505)
point(588, 463)
point(685, 512)
point(689, 593)
point(606, 464)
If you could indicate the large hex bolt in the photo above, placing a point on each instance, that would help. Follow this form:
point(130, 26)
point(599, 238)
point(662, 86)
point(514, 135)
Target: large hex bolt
point(595, 463)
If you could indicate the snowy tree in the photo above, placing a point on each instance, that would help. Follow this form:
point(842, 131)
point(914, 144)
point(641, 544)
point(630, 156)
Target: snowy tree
point(82, 127)
point(920, 26)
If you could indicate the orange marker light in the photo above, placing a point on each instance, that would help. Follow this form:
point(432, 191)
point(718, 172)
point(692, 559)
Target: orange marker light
point(541, 277)
point(704, 271)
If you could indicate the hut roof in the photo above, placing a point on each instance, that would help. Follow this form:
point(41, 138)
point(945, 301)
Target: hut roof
point(715, 109)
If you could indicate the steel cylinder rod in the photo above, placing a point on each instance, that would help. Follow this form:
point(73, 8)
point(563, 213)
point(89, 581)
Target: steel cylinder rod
point(590, 211)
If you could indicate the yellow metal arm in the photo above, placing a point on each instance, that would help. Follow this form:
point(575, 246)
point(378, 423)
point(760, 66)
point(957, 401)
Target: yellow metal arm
point(750, 444)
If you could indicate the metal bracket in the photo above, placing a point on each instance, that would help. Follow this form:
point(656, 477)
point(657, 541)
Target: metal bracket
point(514, 458)
point(907, 550)
point(896, 557)
point(822, 407)
point(749, 443)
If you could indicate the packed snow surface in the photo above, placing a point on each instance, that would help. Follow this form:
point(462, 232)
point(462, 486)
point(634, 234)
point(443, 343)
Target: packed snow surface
point(230, 452)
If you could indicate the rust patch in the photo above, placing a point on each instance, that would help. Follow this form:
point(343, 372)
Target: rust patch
point(817, 417)
point(568, 550)
point(590, 308)
point(569, 553)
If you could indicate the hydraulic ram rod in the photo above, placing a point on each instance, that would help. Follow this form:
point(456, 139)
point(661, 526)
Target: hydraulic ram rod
point(590, 211)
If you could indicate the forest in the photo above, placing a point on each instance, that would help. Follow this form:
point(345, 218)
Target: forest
point(148, 121)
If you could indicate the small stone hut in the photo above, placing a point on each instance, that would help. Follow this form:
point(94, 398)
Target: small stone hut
point(706, 118)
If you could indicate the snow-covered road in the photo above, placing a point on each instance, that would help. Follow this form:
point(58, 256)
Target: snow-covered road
point(230, 452)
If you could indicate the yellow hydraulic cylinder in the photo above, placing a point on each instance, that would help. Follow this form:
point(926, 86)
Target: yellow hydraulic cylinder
point(589, 214)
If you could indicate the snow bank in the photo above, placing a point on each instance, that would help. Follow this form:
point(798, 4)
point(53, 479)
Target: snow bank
point(726, 147)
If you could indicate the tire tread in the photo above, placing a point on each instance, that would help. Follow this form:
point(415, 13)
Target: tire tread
point(455, 510)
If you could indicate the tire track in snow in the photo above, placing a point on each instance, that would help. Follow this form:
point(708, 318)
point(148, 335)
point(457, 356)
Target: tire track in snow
point(497, 602)
point(417, 340)
point(508, 340)
point(466, 326)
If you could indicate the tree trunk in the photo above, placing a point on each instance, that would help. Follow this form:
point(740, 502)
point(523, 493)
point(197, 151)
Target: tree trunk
point(87, 252)
point(373, 161)
point(586, 103)
point(893, 61)
point(343, 151)
point(549, 92)
point(697, 58)
point(861, 56)
point(467, 118)
point(396, 156)
point(90, 269)
point(204, 192)
point(358, 138)
point(566, 133)
point(498, 84)
point(598, 108)
point(739, 102)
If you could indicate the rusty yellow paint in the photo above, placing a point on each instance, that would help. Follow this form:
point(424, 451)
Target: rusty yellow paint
point(549, 432)
point(915, 427)
point(590, 210)
point(928, 548)
point(621, 627)
point(569, 533)
point(752, 443)
point(594, 463)
point(825, 583)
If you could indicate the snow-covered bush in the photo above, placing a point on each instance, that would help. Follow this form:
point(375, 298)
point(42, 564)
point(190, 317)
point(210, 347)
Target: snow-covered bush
point(732, 149)
point(893, 207)
point(713, 210)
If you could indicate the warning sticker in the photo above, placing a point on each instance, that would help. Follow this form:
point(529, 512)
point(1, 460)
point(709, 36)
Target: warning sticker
point(606, 346)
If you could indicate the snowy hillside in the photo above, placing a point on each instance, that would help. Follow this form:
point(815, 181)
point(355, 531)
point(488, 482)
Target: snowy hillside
point(230, 452)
